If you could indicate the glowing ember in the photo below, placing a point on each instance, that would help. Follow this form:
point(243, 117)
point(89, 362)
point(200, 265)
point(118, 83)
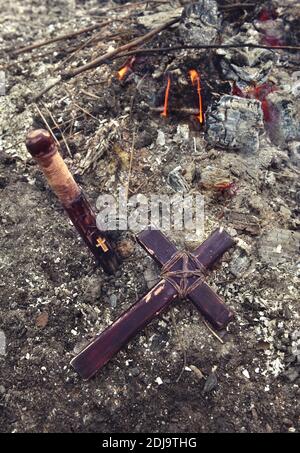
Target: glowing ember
point(259, 92)
point(272, 41)
point(127, 68)
point(122, 72)
point(267, 14)
point(226, 188)
point(165, 111)
point(195, 79)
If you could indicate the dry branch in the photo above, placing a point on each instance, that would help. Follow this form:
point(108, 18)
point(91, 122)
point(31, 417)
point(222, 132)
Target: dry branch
point(38, 44)
point(200, 47)
point(109, 55)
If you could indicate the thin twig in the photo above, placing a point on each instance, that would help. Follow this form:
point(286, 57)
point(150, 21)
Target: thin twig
point(92, 39)
point(134, 95)
point(183, 366)
point(201, 46)
point(38, 44)
point(61, 132)
point(104, 58)
point(86, 112)
point(79, 48)
point(183, 110)
point(178, 334)
point(47, 124)
point(237, 5)
point(91, 95)
point(118, 53)
point(109, 55)
point(46, 89)
point(130, 162)
point(38, 55)
point(212, 331)
point(144, 2)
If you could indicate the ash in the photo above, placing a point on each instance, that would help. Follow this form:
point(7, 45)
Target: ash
point(235, 123)
point(200, 22)
point(175, 376)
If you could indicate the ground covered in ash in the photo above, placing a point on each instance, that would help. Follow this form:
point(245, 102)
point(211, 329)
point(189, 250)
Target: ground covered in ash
point(176, 376)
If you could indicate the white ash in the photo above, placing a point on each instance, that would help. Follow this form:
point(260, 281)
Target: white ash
point(246, 374)
point(213, 174)
point(182, 134)
point(246, 64)
point(161, 139)
point(234, 123)
point(13, 129)
point(177, 181)
point(200, 22)
point(272, 27)
point(98, 145)
point(279, 245)
point(269, 154)
point(284, 125)
point(295, 348)
point(151, 275)
point(153, 20)
point(267, 331)
point(239, 263)
point(294, 153)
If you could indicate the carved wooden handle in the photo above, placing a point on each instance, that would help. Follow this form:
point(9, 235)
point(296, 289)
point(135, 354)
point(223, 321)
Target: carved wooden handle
point(42, 147)
point(44, 150)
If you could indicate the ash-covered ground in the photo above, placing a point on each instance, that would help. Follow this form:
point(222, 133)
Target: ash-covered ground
point(175, 376)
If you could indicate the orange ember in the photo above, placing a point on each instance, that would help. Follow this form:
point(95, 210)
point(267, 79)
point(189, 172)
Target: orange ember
point(128, 67)
point(122, 72)
point(165, 111)
point(195, 79)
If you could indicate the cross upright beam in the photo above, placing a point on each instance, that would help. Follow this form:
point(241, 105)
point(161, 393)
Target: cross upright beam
point(182, 275)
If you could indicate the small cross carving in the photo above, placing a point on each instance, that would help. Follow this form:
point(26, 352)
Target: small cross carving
point(183, 275)
point(101, 242)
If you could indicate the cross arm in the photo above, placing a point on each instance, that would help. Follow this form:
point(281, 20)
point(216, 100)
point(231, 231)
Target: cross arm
point(213, 248)
point(117, 335)
point(157, 245)
point(211, 306)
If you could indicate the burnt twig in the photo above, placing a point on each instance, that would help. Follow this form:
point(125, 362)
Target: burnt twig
point(201, 46)
point(109, 55)
point(237, 5)
point(38, 44)
point(49, 87)
point(183, 110)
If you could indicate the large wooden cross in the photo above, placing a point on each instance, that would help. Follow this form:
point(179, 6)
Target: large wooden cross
point(183, 275)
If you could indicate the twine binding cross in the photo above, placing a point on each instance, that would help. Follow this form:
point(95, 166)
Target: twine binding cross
point(184, 287)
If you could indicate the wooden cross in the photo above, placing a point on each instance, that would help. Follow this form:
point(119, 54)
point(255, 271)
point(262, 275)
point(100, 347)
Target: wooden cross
point(183, 275)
